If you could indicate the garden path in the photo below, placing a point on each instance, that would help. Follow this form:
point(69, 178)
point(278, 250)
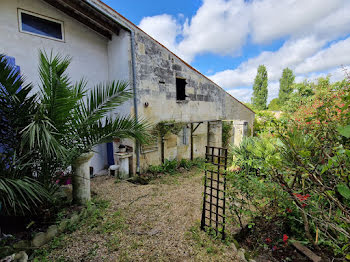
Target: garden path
point(155, 222)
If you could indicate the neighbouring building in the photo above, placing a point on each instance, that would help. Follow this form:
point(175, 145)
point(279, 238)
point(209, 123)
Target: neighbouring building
point(105, 46)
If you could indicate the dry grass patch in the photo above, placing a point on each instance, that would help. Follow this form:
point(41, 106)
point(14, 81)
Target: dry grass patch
point(154, 222)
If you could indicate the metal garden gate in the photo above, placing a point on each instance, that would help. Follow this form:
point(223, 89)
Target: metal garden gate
point(214, 197)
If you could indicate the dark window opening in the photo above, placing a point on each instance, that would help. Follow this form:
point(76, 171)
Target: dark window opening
point(180, 89)
point(40, 26)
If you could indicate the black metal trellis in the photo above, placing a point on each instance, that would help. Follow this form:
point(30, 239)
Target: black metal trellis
point(214, 197)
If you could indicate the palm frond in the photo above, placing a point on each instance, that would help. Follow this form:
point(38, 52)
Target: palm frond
point(102, 99)
point(106, 130)
point(41, 134)
point(11, 82)
point(20, 196)
point(16, 104)
point(58, 96)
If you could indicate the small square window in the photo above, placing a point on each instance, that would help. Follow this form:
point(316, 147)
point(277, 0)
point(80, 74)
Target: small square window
point(181, 89)
point(40, 25)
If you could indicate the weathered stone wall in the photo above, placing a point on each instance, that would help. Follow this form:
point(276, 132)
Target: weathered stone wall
point(157, 70)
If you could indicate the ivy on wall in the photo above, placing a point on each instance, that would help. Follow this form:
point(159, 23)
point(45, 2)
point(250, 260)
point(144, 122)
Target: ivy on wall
point(226, 133)
point(168, 127)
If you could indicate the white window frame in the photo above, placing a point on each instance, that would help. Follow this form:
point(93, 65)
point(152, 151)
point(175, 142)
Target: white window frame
point(21, 11)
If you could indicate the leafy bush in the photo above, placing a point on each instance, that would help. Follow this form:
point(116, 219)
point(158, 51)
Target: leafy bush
point(304, 169)
point(264, 121)
point(172, 166)
point(226, 133)
point(20, 193)
point(274, 105)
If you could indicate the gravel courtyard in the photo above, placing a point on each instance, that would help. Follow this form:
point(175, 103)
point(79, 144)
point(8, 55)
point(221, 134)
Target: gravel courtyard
point(155, 222)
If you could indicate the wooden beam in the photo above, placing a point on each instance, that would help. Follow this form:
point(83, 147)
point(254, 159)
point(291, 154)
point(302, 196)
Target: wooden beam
point(91, 13)
point(197, 126)
point(208, 134)
point(192, 141)
point(162, 149)
point(70, 12)
point(307, 252)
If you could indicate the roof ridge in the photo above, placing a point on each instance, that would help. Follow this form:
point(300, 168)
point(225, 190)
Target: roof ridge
point(183, 61)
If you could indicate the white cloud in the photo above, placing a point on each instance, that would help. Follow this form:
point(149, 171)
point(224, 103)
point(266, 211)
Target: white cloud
point(219, 27)
point(337, 54)
point(242, 94)
point(222, 27)
point(334, 25)
point(273, 19)
point(290, 54)
point(335, 74)
point(163, 28)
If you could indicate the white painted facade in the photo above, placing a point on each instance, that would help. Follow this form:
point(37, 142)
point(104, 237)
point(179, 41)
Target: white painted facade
point(94, 57)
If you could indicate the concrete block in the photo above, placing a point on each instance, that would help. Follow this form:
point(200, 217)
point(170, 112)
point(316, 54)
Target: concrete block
point(21, 257)
point(22, 245)
point(39, 239)
point(63, 225)
point(52, 232)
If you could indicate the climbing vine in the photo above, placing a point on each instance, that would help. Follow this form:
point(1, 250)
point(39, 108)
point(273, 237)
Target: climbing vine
point(226, 133)
point(165, 127)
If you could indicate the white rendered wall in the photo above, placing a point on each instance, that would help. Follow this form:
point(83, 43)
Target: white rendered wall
point(89, 51)
point(119, 61)
point(87, 48)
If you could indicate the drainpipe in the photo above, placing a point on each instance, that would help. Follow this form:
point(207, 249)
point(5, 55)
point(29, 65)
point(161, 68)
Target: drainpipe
point(137, 148)
point(133, 66)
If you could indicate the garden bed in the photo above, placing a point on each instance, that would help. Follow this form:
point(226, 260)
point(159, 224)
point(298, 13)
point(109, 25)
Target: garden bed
point(271, 240)
point(18, 232)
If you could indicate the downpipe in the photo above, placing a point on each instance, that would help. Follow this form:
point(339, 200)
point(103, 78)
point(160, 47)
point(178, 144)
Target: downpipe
point(133, 66)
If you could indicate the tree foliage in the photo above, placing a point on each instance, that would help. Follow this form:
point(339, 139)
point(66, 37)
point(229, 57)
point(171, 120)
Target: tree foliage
point(259, 98)
point(274, 105)
point(19, 192)
point(303, 165)
point(286, 85)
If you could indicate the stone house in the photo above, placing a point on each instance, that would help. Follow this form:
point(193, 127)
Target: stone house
point(105, 46)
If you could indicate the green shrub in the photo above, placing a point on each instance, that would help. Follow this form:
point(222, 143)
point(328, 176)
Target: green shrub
point(172, 166)
point(304, 167)
point(226, 133)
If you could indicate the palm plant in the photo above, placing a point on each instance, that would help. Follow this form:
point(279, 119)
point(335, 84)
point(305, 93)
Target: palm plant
point(19, 192)
point(72, 120)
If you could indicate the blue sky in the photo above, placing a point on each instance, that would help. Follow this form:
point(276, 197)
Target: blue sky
point(228, 39)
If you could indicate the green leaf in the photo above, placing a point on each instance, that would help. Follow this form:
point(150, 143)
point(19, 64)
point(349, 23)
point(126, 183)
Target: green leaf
point(348, 257)
point(344, 190)
point(344, 131)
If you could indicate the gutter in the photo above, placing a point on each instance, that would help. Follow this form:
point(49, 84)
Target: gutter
point(133, 66)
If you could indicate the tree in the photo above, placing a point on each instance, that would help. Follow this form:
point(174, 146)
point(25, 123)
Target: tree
point(286, 85)
point(274, 105)
point(20, 193)
point(71, 121)
point(259, 98)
